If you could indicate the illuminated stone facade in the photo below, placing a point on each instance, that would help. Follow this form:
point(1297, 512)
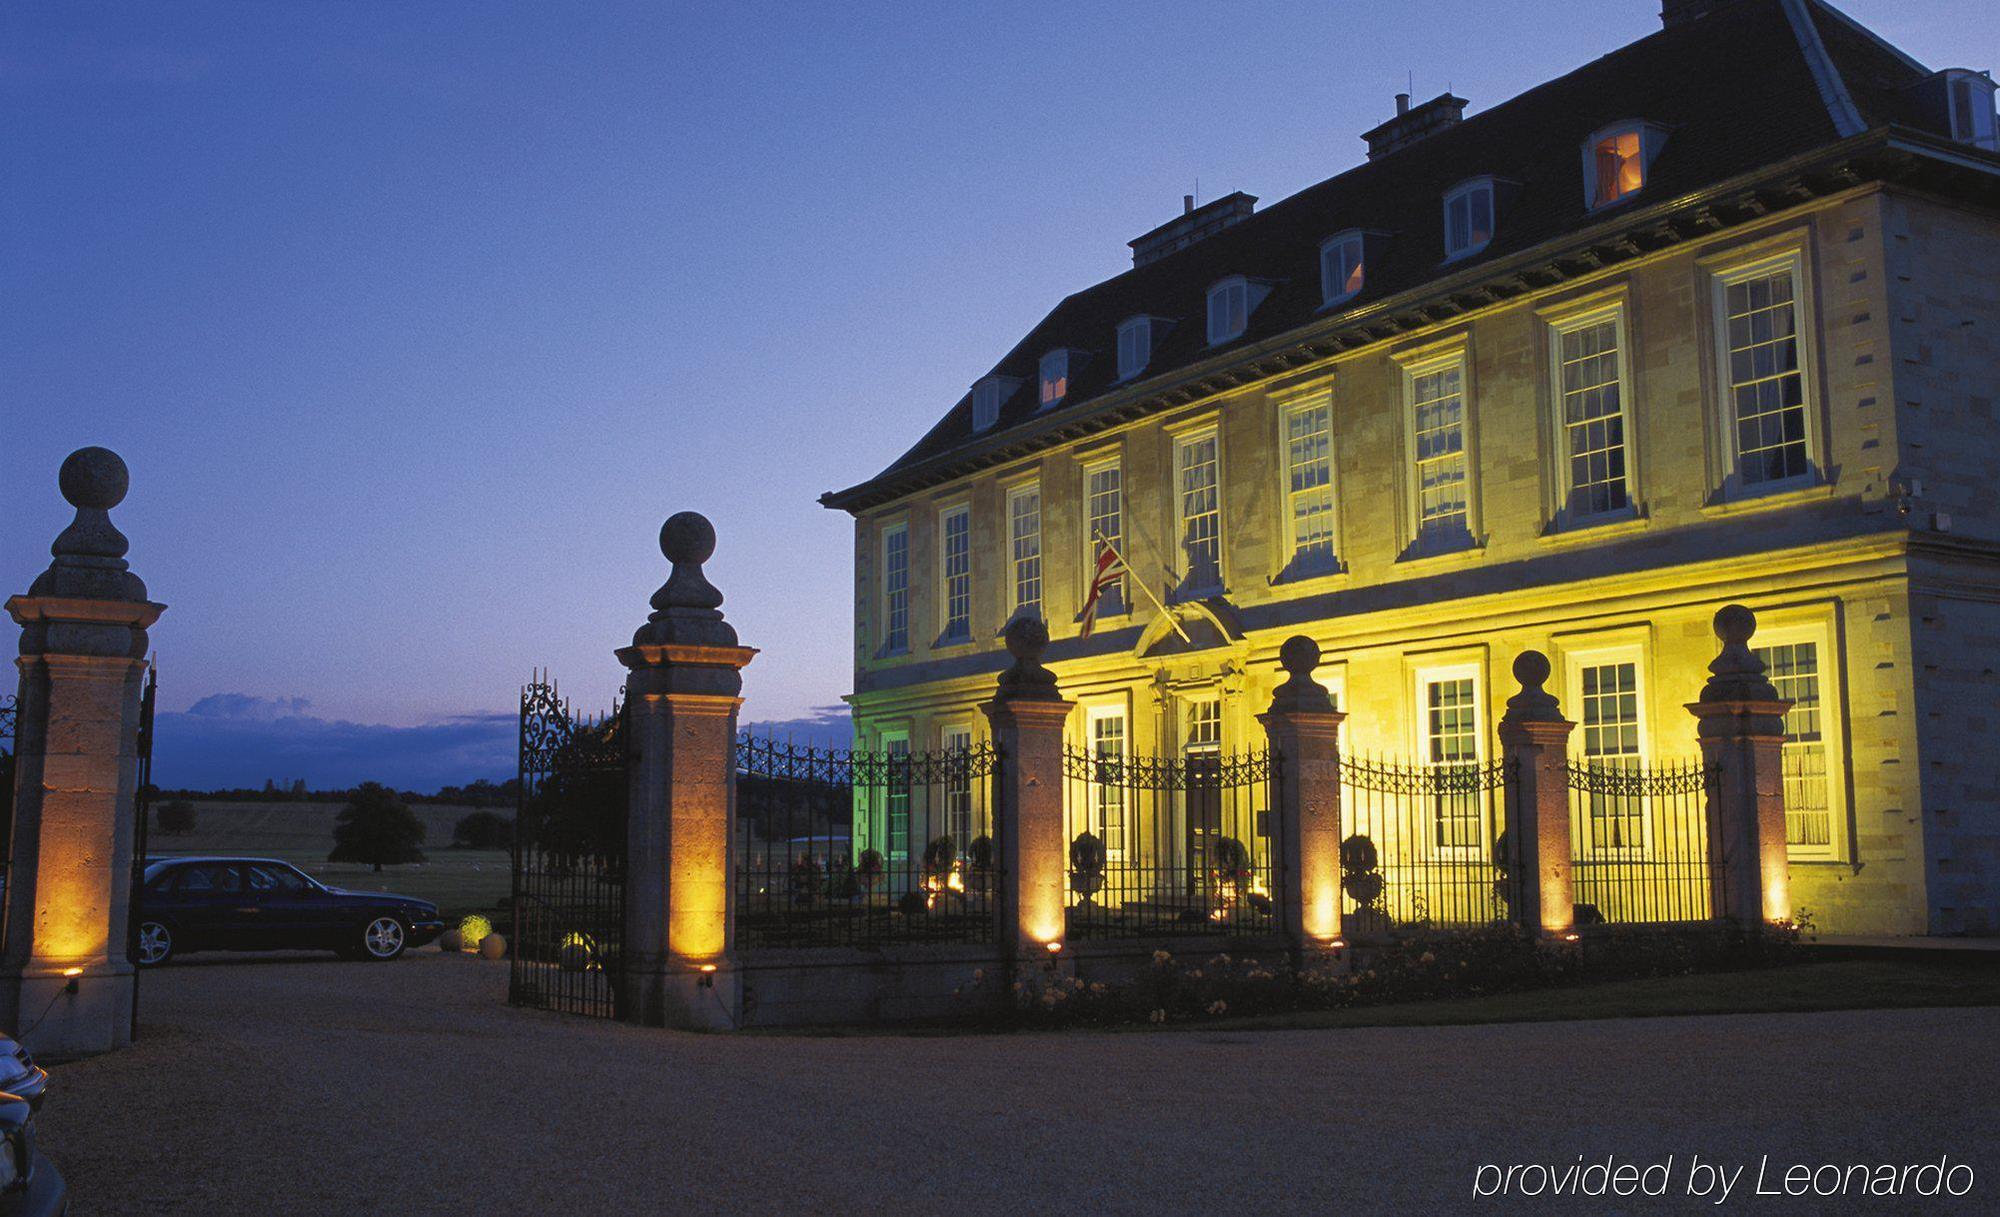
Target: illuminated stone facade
point(1869, 547)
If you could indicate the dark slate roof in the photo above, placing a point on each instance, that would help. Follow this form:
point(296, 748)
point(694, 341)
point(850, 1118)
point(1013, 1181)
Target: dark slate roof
point(1735, 91)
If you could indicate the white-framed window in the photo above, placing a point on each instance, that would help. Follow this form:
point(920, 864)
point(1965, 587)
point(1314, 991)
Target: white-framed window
point(1616, 160)
point(1450, 734)
point(1198, 508)
point(1440, 459)
point(1769, 430)
point(955, 572)
point(896, 588)
point(1228, 309)
point(1468, 217)
point(1593, 413)
point(1969, 100)
point(1109, 747)
point(1055, 377)
point(1794, 662)
point(896, 783)
point(1201, 726)
point(1135, 346)
point(1024, 536)
point(1605, 694)
point(955, 739)
point(1342, 267)
point(1104, 507)
point(986, 403)
point(1308, 489)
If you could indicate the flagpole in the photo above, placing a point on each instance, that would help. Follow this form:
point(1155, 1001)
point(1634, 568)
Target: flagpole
point(1100, 539)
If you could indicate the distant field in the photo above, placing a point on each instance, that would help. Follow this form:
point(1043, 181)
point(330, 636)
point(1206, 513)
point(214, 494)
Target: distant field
point(459, 881)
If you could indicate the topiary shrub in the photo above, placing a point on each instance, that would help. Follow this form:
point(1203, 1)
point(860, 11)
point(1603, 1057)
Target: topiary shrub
point(493, 947)
point(1087, 860)
point(868, 870)
point(1361, 879)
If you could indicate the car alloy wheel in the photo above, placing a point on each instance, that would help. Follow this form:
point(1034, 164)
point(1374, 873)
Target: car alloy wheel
point(383, 939)
point(156, 942)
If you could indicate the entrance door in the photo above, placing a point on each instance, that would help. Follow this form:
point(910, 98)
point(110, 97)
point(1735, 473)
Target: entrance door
point(1202, 798)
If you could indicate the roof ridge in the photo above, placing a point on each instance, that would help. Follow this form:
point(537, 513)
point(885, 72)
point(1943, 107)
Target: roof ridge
point(1832, 89)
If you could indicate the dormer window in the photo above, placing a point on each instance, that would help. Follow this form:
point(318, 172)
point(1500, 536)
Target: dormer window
point(1468, 218)
point(986, 397)
point(1055, 377)
point(1616, 161)
point(1230, 304)
point(1342, 267)
point(1135, 346)
point(1969, 99)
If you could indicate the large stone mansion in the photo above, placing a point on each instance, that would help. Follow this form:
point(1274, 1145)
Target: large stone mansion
point(1714, 318)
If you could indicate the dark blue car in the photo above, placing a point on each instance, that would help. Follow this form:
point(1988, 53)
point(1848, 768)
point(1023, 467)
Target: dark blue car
point(262, 904)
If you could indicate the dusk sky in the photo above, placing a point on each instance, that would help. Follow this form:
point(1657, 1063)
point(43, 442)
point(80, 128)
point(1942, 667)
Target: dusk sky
point(414, 321)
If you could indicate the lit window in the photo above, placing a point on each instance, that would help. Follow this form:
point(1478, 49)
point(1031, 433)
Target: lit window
point(896, 589)
point(1468, 218)
point(1969, 98)
point(1104, 494)
point(1793, 668)
point(955, 743)
point(1024, 530)
point(1764, 379)
point(896, 795)
point(1616, 164)
point(1309, 487)
point(1055, 377)
point(1228, 310)
point(1135, 347)
point(1440, 473)
point(956, 562)
point(1450, 729)
point(1107, 750)
point(1198, 506)
point(1609, 702)
point(1203, 733)
point(1341, 267)
point(1590, 388)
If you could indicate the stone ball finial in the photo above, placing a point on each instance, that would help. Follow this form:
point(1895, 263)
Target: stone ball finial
point(94, 478)
point(687, 538)
point(1299, 655)
point(1027, 638)
point(1734, 624)
point(1531, 669)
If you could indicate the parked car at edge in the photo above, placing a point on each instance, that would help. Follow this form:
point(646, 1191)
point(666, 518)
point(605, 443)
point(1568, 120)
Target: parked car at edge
point(30, 1184)
point(262, 904)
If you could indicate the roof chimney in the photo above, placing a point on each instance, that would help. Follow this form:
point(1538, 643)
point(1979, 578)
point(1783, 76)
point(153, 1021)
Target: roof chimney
point(1411, 125)
point(1193, 224)
point(1680, 12)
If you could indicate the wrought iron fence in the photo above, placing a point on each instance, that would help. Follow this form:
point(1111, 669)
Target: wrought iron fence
point(569, 857)
point(8, 713)
point(142, 814)
point(1639, 841)
point(839, 847)
point(1169, 845)
point(1424, 845)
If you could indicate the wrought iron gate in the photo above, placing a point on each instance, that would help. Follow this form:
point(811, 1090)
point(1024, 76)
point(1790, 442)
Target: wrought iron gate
point(569, 857)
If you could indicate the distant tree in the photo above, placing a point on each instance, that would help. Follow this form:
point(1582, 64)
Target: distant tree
point(176, 817)
point(376, 827)
point(270, 787)
point(483, 830)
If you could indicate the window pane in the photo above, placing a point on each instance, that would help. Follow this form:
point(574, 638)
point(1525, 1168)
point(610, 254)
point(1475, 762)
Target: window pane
point(1055, 376)
point(1104, 489)
point(1438, 414)
point(1793, 668)
point(1107, 747)
point(1309, 484)
point(958, 787)
point(1593, 418)
point(1451, 738)
point(896, 590)
point(1766, 388)
point(1025, 516)
point(957, 551)
point(1610, 732)
point(1201, 513)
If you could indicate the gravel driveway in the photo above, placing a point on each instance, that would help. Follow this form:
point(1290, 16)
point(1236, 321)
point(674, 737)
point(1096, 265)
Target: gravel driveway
point(306, 1086)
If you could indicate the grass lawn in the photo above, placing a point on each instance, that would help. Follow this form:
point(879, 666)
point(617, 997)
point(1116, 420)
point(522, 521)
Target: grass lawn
point(1905, 980)
point(458, 881)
